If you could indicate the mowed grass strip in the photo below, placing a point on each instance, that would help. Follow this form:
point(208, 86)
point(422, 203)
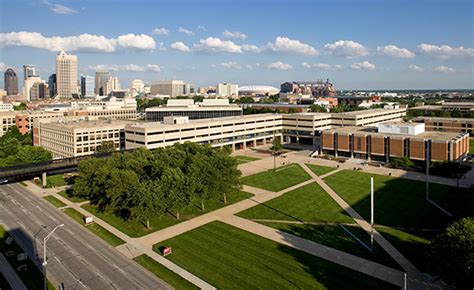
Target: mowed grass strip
point(319, 169)
point(227, 258)
point(245, 159)
point(135, 228)
point(164, 273)
point(54, 201)
point(399, 202)
point(53, 181)
point(309, 203)
point(102, 233)
point(281, 178)
point(471, 146)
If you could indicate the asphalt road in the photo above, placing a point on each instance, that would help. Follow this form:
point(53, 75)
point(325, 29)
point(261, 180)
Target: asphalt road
point(76, 257)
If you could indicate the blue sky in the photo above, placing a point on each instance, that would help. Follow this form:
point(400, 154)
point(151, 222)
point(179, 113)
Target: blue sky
point(356, 44)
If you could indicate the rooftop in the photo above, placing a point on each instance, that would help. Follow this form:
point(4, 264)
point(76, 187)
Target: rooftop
point(79, 124)
point(433, 135)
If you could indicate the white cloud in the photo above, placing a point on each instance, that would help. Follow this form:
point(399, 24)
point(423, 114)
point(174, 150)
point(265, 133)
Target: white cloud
point(201, 27)
point(346, 48)
point(284, 44)
point(445, 51)
point(185, 31)
point(338, 66)
point(316, 65)
point(416, 68)
point(444, 69)
point(135, 41)
point(161, 46)
point(234, 34)
point(84, 42)
point(249, 66)
point(180, 46)
point(59, 9)
point(214, 44)
point(3, 66)
point(394, 51)
point(231, 64)
point(250, 48)
point(279, 66)
point(160, 31)
point(125, 67)
point(365, 65)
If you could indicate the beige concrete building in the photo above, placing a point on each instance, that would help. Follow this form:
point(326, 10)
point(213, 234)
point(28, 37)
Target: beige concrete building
point(447, 124)
point(237, 132)
point(170, 88)
point(66, 75)
point(80, 137)
point(24, 120)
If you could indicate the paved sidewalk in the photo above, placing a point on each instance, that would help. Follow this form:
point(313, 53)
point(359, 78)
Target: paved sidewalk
point(347, 260)
point(415, 276)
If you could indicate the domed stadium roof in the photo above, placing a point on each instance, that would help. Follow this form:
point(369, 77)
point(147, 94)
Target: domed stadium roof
point(259, 89)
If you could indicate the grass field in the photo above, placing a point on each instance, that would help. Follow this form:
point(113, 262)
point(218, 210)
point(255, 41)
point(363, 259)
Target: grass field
point(210, 253)
point(67, 194)
point(471, 146)
point(134, 228)
point(102, 233)
point(53, 181)
point(319, 169)
point(244, 159)
point(32, 277)
point(54, 201)
point(400, 204)
point(280, 179)
point(163, 273)
point(311, 203)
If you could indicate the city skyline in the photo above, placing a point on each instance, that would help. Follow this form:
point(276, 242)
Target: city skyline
point(397, 45)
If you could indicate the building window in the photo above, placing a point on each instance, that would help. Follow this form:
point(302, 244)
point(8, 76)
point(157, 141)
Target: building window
point(359, 143)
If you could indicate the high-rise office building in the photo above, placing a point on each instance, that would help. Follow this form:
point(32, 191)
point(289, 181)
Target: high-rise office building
point(66, 75)
point(28, 84)
point(101, 76)
point(11, 82)
point(226, 90)
point(136, 87)
point(39, 90)
point(52, 85)
point(87, 86)
point(29, 70)
point(111, 85)
point(171, 88)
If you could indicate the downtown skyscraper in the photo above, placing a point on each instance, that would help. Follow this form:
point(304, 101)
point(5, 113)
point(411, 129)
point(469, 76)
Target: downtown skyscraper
point(66, 75)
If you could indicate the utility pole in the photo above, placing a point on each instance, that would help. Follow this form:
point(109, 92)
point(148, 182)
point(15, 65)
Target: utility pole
point(427, 171)
point(45, 262)
point(274, 155)
point(372, 213)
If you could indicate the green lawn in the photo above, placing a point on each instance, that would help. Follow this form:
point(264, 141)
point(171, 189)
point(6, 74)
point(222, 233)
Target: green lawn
point(319, 169)
point(54, 201)
point(400, 204)
point(163, 273)
point(67, 194)
point(53, 181)
point(134, 228)
point(32, 277)
point(244, 159)
point(102, 233)
point(227, 257)
point(311, 203)
point(278, 180)
point(471, 146)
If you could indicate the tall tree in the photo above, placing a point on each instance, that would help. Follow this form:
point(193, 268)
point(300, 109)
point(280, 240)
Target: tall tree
point(149, 202)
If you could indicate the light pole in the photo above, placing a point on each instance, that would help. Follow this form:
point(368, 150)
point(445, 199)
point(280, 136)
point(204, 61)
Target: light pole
point(372, 213)
point(45, 262)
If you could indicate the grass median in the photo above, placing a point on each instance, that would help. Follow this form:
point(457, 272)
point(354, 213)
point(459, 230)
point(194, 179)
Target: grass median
point(102, 233)
point(54, 201)
point(319, 169)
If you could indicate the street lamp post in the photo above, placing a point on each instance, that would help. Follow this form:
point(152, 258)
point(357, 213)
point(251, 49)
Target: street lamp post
point(45, 262)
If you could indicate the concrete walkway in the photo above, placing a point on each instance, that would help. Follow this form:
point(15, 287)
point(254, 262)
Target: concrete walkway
point(416, 278)
point(10, 274)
